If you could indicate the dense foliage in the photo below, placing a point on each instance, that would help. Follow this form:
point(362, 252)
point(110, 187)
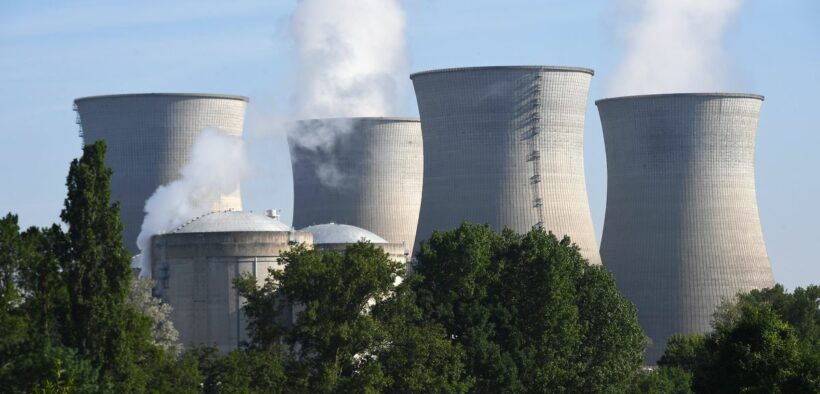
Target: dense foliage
point(356, 331)
point(767, 341)
point(529, 311)
point(66, 325)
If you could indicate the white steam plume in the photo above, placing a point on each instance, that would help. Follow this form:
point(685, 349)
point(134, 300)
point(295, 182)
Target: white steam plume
point(674, 46)
point(218, 162)
point(352, 62)
point(351, 56)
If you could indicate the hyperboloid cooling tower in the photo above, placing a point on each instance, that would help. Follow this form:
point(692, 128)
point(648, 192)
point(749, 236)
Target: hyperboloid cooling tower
point(194, 268)
point(149, 138)
point(365, 172)
point(682, 230)
point(504, 146)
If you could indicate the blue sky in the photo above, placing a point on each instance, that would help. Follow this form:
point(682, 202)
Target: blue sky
point(54, 51)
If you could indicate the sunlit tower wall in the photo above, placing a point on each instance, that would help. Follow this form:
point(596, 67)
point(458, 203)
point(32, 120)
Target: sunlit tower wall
point(504, 146)
point(682, 230)
point(149, 138)
point(365, 172)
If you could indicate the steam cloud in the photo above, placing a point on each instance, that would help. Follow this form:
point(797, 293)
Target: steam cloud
point(674, 46)
point(217, 165)
point(351, 56)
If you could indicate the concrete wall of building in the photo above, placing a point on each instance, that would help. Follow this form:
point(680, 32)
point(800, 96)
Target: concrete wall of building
point(194, 274)
point(149, 138)
point(504, 146)
point(682, 230)
point(366, 172)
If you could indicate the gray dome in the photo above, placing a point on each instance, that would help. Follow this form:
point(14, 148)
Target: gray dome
point(232, 221)
point(333, 233)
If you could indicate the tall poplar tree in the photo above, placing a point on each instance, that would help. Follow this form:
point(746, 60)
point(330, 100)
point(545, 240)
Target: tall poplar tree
point(99, 323)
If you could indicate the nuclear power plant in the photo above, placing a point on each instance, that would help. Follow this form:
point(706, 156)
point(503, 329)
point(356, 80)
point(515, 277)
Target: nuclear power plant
point(682, 231)
point(498, 145)
point(149, 138)
point(365, 172)
point(505, 146)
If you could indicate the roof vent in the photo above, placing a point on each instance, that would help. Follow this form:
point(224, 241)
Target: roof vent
point(272, 213)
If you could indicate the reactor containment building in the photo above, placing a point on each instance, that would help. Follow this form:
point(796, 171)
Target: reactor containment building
point(195, 265)
point(504, 145)
point(682, 231)
point(364, 172)
point(149, 138)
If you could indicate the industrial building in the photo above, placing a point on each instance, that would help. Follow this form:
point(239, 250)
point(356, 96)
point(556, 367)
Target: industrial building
point(194, 267)
point(365, 172)
point(149, 138)
point(334, 236)
point(682, 230)
point(504, 145)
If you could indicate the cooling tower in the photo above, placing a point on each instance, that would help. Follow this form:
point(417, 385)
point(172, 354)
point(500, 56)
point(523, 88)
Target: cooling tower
point(365, 172)
point(682, 230)
point(504, 146)
point(149, 138)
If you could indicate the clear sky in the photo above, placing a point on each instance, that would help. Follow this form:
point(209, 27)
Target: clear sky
point(54, 51)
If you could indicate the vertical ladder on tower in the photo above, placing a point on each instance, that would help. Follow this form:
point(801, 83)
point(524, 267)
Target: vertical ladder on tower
point(79, 124)
point(534, 157)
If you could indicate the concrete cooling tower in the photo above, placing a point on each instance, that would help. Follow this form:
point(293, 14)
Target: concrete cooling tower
point(504, 146)
point(682, 230)
point(149, 138)
point(366, 172)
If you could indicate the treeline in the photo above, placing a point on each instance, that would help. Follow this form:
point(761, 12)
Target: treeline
point(480, 311)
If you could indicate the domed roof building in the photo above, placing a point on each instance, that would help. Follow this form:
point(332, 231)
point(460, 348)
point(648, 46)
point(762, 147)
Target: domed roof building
point(336, 236)
point(334, 233)
point(233, 221)
point(195, 265)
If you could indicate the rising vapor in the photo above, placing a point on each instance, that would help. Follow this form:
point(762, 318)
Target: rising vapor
point(352, 62)
point(674, 46)
point(217, 165)
point(351, 56)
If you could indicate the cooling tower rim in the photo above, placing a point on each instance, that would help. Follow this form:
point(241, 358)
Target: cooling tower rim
point(181, 95)
point(671, 95)
point(491, 68)
point(361, 118)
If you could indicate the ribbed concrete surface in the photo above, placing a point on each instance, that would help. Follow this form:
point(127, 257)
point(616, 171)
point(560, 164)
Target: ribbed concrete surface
point(682, 229)
point(504, 146)
point(365, 172)
point(149, 139)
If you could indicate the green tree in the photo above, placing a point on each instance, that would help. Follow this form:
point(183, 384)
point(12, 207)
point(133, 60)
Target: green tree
point(97, 270)
point(530, 312)
point(355, 330)
point(13, 323)
point(669, 380)
point(244, 370)
point(764, 341)
point(65, 324)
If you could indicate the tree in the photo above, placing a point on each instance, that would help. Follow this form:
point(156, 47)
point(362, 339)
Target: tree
point(355, 330)
point(764, 341)
point(244, 370)
point(530, 312)
point(163, 332)
point(670, 380)
point(13, 323)
point(65, 322)
point(97, 268)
